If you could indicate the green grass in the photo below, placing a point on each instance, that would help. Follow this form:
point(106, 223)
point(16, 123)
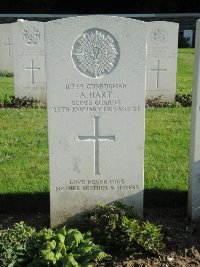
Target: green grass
point(184, 70)
point(24, 147)
point(167, 148)
point(23, 151)
point(6, 86)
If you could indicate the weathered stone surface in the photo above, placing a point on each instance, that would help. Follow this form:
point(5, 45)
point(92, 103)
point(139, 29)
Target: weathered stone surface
point(96, 89)
point(29, 59)
point(162, 45)
point(6, 47)
point(194, 174)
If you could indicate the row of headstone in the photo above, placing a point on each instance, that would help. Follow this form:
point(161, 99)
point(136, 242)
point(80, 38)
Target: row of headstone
point(23, 52)
point(96, 71)
point(24, 40)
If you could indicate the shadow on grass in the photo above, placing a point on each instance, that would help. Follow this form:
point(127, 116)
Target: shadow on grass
point(39, 202)
point(24, 202)
point(165, 198)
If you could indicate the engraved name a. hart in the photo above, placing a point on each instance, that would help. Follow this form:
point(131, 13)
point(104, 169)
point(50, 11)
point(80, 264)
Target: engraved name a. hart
point(101, 94)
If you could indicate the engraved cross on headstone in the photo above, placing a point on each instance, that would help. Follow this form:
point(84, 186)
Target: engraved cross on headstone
point(158, 73)
point(96, 138)
point(9, 47)
point(32, 68)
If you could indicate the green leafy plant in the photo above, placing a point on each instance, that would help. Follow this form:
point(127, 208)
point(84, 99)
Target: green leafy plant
point(21, 245)
point(64, 247)
point(13, 245)
point(118, 228)
point(142, 237)
point(150, 237)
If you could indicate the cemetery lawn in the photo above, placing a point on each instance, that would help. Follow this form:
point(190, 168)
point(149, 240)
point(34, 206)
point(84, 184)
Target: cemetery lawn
point(24, 153)
point(24, 147)
point(24, 176)
point(24, 182)
point(23, 160)
point(167, 155)
point(23, 156)
point(184, 70)
point(6, 86)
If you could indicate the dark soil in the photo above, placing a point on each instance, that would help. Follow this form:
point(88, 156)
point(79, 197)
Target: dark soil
point(181, 237)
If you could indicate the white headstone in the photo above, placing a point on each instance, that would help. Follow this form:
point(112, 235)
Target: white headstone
point(194, 173)
point(96, 91)
point(6, 47)
point(29, 60)
point(162, 45)
point(188, 35)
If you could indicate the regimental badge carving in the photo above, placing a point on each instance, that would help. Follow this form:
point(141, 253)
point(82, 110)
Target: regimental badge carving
point(95, 53)
point(159, 35)
point(31, 35)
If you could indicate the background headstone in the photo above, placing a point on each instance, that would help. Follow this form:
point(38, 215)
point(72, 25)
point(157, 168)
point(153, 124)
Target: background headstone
point(29, 60)
point(194, 173)
point(188, 35)
point(96, 89)
point(6, 48)
point(162, 45)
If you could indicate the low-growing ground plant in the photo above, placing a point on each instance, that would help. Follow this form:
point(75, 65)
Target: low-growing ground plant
point(64, 247)
point(156, 102)
point(13, 245)
point(118, 228)
point(21, 246)
point(184, 100)
point(7, 101)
